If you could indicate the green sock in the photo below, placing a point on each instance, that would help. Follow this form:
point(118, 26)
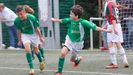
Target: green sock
point(61, 64)
point(77, 60)
point(42, 52)
point(39, 56)
point(29, 59)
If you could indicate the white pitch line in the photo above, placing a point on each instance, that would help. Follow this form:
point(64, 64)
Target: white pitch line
point(76, 72)
point(15, 54)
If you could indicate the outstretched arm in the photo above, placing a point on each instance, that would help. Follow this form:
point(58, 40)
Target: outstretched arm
point(101, 29)
point(56, 20)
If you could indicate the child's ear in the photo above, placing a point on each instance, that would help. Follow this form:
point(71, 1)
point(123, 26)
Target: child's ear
point(77, 16)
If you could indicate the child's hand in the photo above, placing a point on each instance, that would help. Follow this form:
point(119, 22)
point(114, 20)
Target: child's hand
point(53, 19)
point(109, 30)
point(19, 43)
point(42, 39)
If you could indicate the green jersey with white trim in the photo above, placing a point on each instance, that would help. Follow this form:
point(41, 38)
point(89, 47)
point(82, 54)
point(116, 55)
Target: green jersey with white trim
point(28, 25)
point(78, 30)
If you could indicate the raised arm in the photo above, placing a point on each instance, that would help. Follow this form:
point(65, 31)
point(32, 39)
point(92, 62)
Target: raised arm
point(102, 29)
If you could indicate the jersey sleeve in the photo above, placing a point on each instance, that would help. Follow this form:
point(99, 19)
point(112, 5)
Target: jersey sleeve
point(36, 23)
point(65, 20)
point(111, 13)
point(89, 24)
point(34, 20)
point(17, 23)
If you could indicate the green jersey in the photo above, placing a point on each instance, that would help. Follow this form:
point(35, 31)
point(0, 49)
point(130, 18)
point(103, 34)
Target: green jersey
point(78, 30)
point(28, 25)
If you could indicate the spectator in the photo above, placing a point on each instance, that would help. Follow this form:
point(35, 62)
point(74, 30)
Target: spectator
point(128, 27)
point(9, 16)
point(104, 25)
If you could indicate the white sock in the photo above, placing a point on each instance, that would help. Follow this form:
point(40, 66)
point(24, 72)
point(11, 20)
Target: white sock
point(123, 55)
point(112, 53)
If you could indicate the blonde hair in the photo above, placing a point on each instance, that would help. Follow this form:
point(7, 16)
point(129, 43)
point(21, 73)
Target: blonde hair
point(2, 5)
point(28, 9)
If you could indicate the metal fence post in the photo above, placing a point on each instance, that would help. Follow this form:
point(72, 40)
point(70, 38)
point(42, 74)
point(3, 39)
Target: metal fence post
point(91, 38)
point(0, 35)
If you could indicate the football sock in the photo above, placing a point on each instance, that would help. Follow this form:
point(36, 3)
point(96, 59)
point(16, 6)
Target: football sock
point(32, 53)
point(39, 56)
point(29, 59)
point(123, 55)
point(113, 55)
point(42, 52)
point(77, 60)
point(61, 64)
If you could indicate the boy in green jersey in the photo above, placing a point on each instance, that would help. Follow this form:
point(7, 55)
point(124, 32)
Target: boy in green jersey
point(77, 31)
point(29, 33)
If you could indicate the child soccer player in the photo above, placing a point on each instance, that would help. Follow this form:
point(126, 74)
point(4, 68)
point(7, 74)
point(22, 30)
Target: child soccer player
point(29, 10)
point(115, 38)
point(77, 30)
point(28, 32)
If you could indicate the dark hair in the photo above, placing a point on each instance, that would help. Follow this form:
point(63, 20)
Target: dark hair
point(77, 10)
point(19, 8)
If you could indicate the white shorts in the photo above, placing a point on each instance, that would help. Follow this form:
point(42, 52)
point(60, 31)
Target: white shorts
point(74, 47)
point(112, 37)
point(32, 39)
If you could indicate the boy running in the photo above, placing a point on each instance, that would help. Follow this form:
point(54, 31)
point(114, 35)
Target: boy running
point(78, 29)
point(28, 32)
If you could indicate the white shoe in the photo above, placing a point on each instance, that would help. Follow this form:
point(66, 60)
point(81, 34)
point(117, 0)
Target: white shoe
point(3, 45)
point(11, 48)
point(18, 48)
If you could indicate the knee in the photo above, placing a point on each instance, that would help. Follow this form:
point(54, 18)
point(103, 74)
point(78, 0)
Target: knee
point(27, 50)
point(63, 54)
point(36, 50)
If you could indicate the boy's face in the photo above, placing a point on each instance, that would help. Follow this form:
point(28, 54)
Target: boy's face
point(22, 15)
point(72, 16)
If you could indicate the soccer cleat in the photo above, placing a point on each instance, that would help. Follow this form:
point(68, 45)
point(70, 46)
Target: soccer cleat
point(57, 73)
point(77, 63)
point(126, 65)
point(111, 66)
point(31, 72)
point(42, 65)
